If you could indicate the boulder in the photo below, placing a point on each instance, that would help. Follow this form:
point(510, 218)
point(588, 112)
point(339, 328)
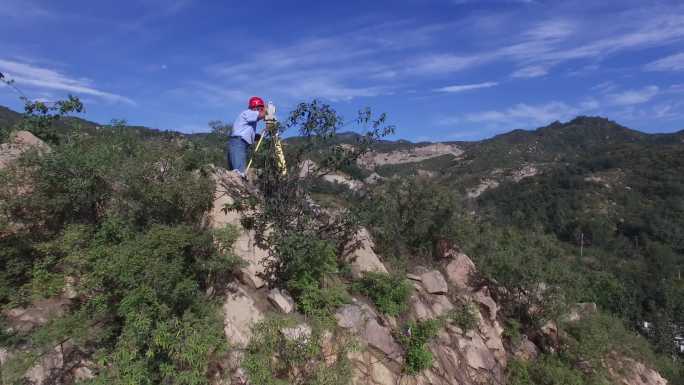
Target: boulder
point(228, 183)
point(246, 248)
point(37, 314)
point(362, 321)
point(460, 270)
point(46, 368)
point(20, 142)
point(525, 350)
point(240, 314)
point(281, 300)
point(362, 258)
point(434, 283)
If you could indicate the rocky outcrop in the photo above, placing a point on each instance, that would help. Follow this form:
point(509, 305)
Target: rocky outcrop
point(362, 321)
point(20, 142)
point(434, 283)
point(240, 313)
point(361, 255)
point(25, 319)
point(228, 184)
point(309, 167)
point(460, 271)
point(372, 160)
point(485, 184)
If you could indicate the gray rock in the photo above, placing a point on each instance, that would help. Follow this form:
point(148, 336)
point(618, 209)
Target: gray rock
point(362, 321)
point(240, 314)
point(281, 300)
point(363, 258)
point(525, 350)
point(459, 271)
point(434, 283)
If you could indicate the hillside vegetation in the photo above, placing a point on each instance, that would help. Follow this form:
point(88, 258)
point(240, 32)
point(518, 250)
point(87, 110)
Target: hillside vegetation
point(115, 219)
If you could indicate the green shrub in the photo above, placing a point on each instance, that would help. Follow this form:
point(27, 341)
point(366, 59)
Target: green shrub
point(512, 331)
point(415, 339)
point(549, 370)
point(141, 301)
point(596, 335)
point(464, 316)
point(271, 358)
point(410, 216)
point(307, 267)
point(389, 293)
point(318, 301)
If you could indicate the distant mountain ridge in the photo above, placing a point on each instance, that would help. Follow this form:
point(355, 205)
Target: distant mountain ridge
point(595, 129)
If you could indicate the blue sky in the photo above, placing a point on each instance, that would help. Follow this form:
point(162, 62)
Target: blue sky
point(441, 69)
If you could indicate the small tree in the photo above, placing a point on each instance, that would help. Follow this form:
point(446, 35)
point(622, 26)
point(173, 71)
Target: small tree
point(285, 210)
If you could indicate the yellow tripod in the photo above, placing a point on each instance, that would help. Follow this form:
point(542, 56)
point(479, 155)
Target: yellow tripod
point(271, 127)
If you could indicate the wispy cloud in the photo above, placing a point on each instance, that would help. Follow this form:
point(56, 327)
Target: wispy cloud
point(631, 97)
point(670, 63)
point(532, 71)
point(40, 78)
point(466, 87)
point(525, 115)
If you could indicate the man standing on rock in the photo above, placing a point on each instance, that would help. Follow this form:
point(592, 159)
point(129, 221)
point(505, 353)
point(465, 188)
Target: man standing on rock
point(244, 134)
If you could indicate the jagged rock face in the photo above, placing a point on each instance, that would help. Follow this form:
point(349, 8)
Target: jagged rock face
point(464, 357)
point(363, 322)
point(245, 246)
point(626, 371)
point(459, 357)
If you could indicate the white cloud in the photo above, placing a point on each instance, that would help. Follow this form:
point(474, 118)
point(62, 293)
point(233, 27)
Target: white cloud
point(467, 87)
point(670, 63)
point(590, 104)
point(530, 71)
point(444, 63)
point(40, 78)
point(605, 87)
point(631, 97)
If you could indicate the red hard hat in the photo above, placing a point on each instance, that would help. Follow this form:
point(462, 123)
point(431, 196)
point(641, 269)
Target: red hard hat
point(256, 101)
